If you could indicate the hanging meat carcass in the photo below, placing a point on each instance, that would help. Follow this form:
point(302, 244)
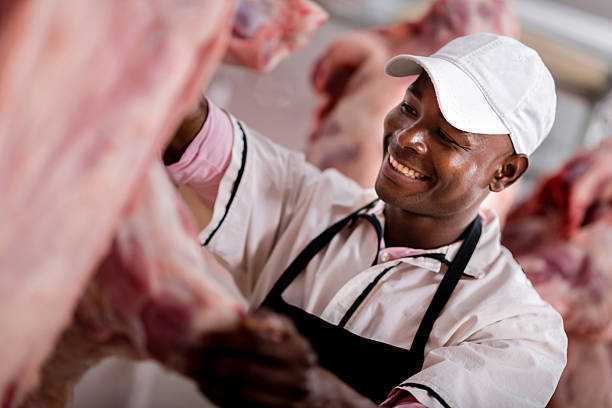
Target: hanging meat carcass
point(357, 94)
point(266, 31)
point(153, 295)
point(89, 93)
point(562, 237)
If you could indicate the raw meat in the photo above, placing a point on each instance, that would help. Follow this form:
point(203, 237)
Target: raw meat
point(574, 277)
point(357, 94)
point(265, 31)
point(587, 380)
point(152, 296)
point(150, 287)
point(89, 92)
point(562, 237)
point(579, 194)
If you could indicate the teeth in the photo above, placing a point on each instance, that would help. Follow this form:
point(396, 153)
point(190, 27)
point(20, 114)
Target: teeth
point(404, 170)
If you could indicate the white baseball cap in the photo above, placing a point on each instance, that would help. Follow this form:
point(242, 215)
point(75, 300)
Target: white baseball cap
point(491, 84)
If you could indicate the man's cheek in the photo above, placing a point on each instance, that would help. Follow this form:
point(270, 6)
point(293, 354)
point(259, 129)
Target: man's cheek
point(386, 140)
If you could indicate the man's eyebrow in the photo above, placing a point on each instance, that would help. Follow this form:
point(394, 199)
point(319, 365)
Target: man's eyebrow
point(415, 91)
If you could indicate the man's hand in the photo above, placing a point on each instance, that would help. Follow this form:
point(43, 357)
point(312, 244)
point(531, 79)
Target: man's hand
point(265, 362)
point(187, 131)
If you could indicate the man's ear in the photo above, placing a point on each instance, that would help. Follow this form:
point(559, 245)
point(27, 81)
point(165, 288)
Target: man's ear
point(510, 170)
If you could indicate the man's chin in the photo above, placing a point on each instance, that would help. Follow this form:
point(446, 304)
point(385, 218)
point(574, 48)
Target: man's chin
point(384, 195)
point(379, 188)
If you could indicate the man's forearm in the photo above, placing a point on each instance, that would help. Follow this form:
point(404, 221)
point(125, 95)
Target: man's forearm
point(186, 132)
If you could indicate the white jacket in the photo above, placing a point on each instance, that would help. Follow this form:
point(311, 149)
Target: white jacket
point(496, 343)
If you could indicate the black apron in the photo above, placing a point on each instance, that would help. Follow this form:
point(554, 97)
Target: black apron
point(370, 367)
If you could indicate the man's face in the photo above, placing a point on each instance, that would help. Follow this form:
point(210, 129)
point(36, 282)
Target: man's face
point(429, 167)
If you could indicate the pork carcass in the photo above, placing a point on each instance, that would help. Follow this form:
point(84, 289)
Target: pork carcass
point(578, 195)
point(153, 296)
point(89, 92)
point(573, 276)
point(265, 31)
point(562, 237)
point(357, 94)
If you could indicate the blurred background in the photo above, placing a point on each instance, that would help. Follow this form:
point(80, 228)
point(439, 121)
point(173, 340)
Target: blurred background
point(572, 36)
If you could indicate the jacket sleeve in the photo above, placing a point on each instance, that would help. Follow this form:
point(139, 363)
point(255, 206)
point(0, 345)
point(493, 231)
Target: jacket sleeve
point(268, 196)
point(515, 361)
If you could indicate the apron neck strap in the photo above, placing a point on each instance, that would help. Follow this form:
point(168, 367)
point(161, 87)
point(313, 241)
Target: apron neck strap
point(447, 286)
point(313, 248)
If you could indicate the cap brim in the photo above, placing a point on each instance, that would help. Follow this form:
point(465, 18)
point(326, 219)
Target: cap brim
point(460, 99)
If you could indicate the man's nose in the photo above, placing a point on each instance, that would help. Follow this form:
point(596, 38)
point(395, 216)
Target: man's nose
point(412, 138)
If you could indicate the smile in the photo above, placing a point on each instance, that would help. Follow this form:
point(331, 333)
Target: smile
point(407, 171)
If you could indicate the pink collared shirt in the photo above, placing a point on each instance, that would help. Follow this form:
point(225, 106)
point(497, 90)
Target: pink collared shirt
point(204, 162)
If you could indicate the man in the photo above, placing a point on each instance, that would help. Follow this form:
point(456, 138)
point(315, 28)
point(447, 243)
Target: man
point(407, 299)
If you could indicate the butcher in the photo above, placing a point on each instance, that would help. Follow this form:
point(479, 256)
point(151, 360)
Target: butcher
point(400, 295)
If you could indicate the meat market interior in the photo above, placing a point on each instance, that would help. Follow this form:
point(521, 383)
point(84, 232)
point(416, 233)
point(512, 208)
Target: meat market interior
point(309, 75)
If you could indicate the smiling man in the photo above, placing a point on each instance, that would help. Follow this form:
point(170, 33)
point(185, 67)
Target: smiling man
point(401, 298)
point(434, 176)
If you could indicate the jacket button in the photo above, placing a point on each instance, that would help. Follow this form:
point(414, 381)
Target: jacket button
point(384, 256)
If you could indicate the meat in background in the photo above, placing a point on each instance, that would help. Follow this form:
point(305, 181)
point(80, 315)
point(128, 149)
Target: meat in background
point(357, 94)
point(562, 237)
point(266, 31)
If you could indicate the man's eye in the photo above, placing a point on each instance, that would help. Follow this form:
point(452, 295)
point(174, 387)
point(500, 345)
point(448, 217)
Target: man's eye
point(408, 109)
point(444, 137)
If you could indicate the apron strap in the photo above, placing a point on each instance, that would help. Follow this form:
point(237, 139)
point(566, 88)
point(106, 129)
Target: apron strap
point(448, 284)
point(312, 249)
point(351, 310)
point(379, 233)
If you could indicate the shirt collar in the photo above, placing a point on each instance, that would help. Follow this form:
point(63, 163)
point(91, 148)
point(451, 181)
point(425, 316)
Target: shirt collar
point(488, 247)
point(486, 251)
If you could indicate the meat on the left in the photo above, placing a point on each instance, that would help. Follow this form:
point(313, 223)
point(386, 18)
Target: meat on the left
point(90, 92)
